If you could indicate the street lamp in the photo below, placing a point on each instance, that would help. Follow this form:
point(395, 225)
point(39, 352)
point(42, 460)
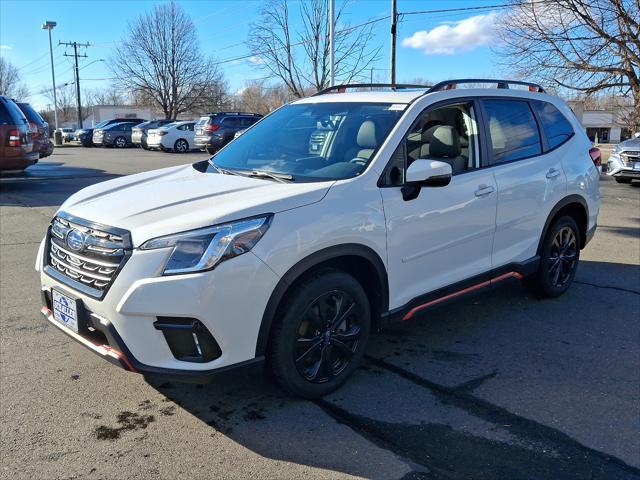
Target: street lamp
point(48, 25)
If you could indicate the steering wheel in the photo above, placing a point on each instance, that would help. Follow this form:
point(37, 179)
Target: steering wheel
point(359, 161)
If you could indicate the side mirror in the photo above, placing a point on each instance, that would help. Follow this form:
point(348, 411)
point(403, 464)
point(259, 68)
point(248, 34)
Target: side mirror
point(425, 173)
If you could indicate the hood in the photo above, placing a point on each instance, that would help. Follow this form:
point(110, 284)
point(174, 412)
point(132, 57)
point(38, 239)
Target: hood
point(176, 199)
point(632, 143)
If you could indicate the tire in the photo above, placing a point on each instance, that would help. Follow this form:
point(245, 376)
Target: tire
point(559, 258)
point(622, 180)
point(181, 146)
point(120, 142)
point(309, 357)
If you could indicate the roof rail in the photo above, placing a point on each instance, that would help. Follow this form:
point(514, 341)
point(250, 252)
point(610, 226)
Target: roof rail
point(452, 84)
point(392, 86)
point(248, 114)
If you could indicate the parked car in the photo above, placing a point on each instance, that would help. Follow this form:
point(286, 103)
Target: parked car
point(215, 130)
point(174, 137)
point(115, 135)
point(334, 215)
point(68, 134)
point(140, 131)
point(16, 145)
point(85, 135)
point(39, 129)
point(624, 162)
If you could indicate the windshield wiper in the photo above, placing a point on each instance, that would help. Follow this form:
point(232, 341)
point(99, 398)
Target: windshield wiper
point(222, 170)
point(278, 177)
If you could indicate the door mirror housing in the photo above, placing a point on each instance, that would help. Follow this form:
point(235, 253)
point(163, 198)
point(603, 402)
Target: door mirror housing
point(425, 173)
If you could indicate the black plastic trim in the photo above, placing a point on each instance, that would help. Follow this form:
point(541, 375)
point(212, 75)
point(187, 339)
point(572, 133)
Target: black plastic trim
point(303, 266)
point(557, 207)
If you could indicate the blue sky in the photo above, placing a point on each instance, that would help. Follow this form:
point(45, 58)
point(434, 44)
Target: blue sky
point(434, 46)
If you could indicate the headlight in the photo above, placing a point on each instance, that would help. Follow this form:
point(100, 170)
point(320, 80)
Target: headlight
point(204, 248)
point(617, 148)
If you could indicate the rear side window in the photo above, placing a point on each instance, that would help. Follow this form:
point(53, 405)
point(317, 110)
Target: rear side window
point(231, 122)
point(14, 113)
point(555, 125)
point(30, 113)
point(4, 114)
point(513, 130)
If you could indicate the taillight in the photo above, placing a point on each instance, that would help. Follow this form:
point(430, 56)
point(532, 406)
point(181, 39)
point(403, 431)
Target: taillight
point(14, 139)
point(211, 128)
point(594, 153)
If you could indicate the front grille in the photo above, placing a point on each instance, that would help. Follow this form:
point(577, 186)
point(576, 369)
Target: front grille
point(629, 157)
point(87, 256)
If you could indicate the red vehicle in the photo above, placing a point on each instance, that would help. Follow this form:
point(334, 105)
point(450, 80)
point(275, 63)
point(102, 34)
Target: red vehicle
point(16, 145)
point(39, 130)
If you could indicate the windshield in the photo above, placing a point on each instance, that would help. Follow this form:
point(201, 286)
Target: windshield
point(312, 141)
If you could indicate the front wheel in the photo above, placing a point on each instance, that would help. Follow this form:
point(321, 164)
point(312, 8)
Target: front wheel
point(181, 146)
point(622, 180)
point(120, 142)
point(321, 334)
point(559, 258)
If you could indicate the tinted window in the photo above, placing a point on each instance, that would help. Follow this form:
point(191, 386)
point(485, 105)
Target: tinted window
point(513, 130)
point(248, 121)
point(4, 114)
point(556, 127)
point(231, 122)
point(15, 113)
point(30, 113)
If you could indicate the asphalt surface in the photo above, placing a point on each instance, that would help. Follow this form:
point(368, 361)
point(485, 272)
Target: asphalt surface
point(498, 386)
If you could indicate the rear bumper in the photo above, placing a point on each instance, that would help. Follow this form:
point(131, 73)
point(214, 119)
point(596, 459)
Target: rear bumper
point(16, 159)
point(208, 142)
point(109, 345)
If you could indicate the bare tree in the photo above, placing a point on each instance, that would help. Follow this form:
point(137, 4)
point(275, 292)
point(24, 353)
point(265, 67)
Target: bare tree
point(258, 97)
point(111, 95)
point(589, 46)
point(299, 56)
point(160, 58)
point(66, 97)
point(10, 82)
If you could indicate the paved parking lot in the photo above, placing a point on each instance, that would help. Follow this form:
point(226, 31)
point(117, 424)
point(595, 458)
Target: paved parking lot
point(499, 386)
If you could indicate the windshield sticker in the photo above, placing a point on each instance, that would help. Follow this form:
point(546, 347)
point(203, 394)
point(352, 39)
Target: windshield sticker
point(397, 106)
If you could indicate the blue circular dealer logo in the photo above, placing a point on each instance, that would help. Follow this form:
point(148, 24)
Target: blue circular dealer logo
point(75, 240)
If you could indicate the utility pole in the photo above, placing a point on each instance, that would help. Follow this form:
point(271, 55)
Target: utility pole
point(49, 25)
point(75, 55)
point(394, 19)
point(332, 20)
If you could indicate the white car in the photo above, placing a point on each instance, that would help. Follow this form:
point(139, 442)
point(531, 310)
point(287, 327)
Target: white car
point(329, 218)
point(176, 137)
point(624, 162)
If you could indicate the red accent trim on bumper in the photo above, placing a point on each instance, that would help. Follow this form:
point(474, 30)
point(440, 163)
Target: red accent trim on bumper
point(102, 349)
point(461, 292)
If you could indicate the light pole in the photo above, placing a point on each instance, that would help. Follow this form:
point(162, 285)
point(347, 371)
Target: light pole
point(48, 25)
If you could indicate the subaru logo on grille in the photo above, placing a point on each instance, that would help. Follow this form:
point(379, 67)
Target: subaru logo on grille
point(75, 240)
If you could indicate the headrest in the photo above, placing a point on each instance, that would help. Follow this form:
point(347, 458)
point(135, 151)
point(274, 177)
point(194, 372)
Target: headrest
point(445, 142)
point(428, 129)
point(367, 137)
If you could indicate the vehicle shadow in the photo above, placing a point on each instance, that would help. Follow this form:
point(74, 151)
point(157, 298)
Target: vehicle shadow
point(47, 184)
point(423, 395)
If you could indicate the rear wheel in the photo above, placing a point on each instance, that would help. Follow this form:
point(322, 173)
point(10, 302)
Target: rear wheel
point(622, 180)
point(321, 334)
point(560, 254)
point(120, 142)
point(181, 146)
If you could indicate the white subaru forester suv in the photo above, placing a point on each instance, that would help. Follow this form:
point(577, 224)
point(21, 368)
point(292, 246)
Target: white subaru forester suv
point(327, 219)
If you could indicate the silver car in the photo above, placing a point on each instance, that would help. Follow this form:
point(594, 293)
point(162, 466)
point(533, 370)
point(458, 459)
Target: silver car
point(624, 162)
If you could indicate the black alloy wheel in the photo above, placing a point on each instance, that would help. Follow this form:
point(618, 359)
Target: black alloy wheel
point(562, 258)
point(320, 333)
point(328, 336)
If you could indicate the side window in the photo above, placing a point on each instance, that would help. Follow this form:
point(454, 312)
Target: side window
point(4, 114)
point(231, 122)
point(448, 134)
point(182, 127)
point(556, 127)
point(513, 130)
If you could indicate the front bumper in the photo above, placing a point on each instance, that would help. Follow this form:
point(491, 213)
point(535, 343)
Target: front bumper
point(621, 165)
point(223, 300)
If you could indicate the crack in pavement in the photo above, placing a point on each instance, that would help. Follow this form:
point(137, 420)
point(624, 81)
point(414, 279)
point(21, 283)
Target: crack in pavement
point(610, 287)
point(450, 454)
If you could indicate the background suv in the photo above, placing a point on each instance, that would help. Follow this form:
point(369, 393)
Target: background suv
point(16, 146)
point(215, 130)
point(139, 132)
point(39, 130)
point(331, 217)
point(115, 135)
point(624, 162)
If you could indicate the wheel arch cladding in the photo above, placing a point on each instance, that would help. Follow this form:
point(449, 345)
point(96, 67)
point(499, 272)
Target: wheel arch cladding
point(574, 206)
point(360, 261)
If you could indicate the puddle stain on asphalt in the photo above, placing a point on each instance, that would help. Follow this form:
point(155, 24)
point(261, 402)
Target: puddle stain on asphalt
point(128, 421)
point(447, 453)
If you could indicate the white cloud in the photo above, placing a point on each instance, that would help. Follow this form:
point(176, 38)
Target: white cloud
point(448, 38)
point(256, 60)
point(5, 47)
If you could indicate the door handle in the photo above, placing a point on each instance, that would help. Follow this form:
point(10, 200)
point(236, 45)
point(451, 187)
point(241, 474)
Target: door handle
point(484, 190)
point(553, 173)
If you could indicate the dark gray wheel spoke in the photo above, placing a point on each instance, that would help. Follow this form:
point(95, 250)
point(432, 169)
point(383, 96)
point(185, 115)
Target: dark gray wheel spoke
point(319, 366)
point(342, 316)
point(349, 336)
point(313, 346)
